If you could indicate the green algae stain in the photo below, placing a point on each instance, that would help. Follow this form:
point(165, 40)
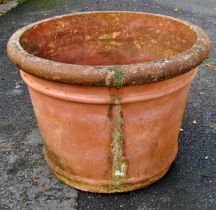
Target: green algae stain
point(118, 79)
point(118, 167)
point(117, 150)
point(115, 100)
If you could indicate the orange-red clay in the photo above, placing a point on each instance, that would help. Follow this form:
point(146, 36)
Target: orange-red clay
point(109, 91)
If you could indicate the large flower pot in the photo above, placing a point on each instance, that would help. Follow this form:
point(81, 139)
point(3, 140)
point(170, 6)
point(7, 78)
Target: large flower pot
point(109, 91)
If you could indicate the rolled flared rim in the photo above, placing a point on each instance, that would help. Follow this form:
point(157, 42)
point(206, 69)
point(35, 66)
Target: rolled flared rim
point(115, 75)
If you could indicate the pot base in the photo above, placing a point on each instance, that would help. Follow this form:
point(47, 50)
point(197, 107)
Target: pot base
point(109, 189)
point(98, 187)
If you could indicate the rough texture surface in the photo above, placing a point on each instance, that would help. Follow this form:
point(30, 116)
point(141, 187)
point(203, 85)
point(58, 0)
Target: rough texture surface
point(139, 47)
point(191, 181)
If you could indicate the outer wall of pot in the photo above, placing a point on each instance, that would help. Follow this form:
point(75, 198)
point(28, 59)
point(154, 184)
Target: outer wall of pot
point(107, 140)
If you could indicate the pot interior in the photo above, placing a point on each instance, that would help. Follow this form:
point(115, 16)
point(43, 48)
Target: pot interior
point(101, 39)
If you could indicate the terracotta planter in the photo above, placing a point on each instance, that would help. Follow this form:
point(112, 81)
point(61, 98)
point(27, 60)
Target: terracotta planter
point(109, 91)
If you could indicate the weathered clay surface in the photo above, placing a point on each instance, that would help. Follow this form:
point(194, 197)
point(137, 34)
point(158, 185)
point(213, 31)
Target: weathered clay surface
point(190, 184)
point(109, 48)
point(112, 138)
point(107, 140)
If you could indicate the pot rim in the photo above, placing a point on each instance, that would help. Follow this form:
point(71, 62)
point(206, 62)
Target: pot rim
point(113, 75)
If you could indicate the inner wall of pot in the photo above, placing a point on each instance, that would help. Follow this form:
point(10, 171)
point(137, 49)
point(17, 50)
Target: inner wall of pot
point(100, 39)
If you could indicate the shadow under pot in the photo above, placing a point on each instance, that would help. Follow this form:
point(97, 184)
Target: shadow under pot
point(109, 91)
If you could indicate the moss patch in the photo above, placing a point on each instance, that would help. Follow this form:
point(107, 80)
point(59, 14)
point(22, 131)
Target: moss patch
point(118, 79)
